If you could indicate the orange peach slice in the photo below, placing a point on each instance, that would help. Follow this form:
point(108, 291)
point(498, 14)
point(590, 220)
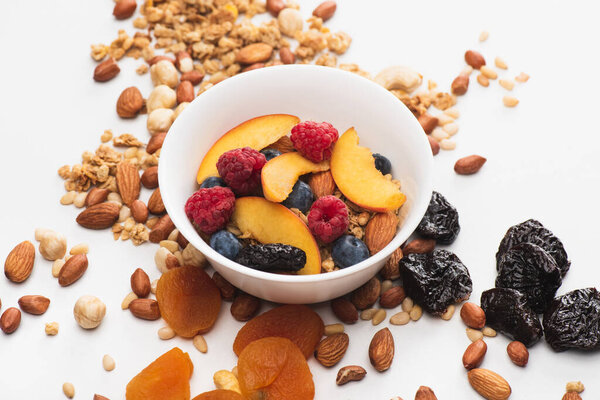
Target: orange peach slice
point(354, 173)
point(256, 133)
point(270, 222)
point(281, 173)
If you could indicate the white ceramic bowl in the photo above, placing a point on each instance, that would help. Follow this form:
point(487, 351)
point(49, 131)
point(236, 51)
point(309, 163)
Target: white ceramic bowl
point(342, 98)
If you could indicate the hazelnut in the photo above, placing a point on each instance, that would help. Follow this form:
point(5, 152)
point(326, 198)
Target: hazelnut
point(159, 120)
point(89, 311)
point(164, 73)
point(161, 97)
point(53, 245)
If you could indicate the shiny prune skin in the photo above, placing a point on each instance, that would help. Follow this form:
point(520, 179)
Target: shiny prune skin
point(527, 268)
point(532, 231)
point(507, 311)
point(435, 280)
point(440, 221)
point(573, 321)
point(272, 257)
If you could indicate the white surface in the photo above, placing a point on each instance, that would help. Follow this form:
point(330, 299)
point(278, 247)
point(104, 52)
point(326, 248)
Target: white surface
point(321, 94)
point(542, 163)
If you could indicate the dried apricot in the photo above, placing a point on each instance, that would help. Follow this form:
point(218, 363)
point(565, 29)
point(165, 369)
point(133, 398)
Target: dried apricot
point(273, 368)
point(219, 394)
point(298, 323)
point(166, 378)
point(188, 300)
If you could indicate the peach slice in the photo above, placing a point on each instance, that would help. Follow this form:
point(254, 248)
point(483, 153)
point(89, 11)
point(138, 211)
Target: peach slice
point(354, 173)
point(270, 222)
point(256, 133)
point(281, 173)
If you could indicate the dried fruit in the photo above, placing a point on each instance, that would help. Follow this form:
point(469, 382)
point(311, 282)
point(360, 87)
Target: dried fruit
point(19, 262)
point(10, 320)
point(381, 350)
point(435, 280)
point(73, 269)
point(440, 222)
point(272, 257)
point(99, 216)
point(366, 295)
point(189, 300)
point(473, 356)
point(244, 307)
point(34, 304)
point(469, 165)
point(130, 102)
point(331, 349)
point(350, 373)
point(298, 323)
point(472, 315)
point(489, 384)
point(227, 289)
point(518, 353)
point(219, 394)
point(344, 310)
point(419, 246)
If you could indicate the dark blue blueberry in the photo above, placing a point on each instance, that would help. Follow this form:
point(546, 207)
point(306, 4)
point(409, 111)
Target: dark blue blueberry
point(213, 181)
point(300, 198)
point(382, 164)
point(226, 244)
point(348, 250)
point(270, 153)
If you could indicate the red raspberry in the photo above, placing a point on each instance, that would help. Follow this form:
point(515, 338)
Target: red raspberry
point(314, 140)
point(210, 208)
point(240, 169)
point(328, 218)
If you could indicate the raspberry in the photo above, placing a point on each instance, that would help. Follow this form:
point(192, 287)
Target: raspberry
point(328, 218)
point(210, 208)
point(240, 169)
point(314, 140)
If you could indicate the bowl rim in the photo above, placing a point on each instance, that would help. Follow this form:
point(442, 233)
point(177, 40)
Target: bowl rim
point(419, 209)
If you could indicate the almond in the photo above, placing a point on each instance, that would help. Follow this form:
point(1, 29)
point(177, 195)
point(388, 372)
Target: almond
point(194, 76)
point(460, 84)
point(366, 295)
point(472, 315)
point(489, 384)
point(254, 53)
point(244, 307)
point(99, 216)
point(10, 320)
point(139, 211)
point(419, 246)
point(185, 92)
point(96, 196)
point(350, 373)
point(425, 393)
point(99, 397)
point(162, 228)
point(155, 203)
point(474, 59)
point(172, 262)
point(469, 165)
point(19, 263)
point(390, 269)
point(286, 55)
point(571, 396)
point(145, 309)
point(381, 350)
point(344, 310)
point(140, 283)
point(275, 6)
point(73, 269)
point(392, 298)
point(130, 102)
point(182, 241)
point(124, 9)
point(150, 177)
point(435, 146)
point(106, 70)
point(128, 182)
point(473, 355)
point(518, 353)
point(283, 145)
point(34, 304)
point(227, 289)
point(321, 183)
point(331, 349)
point(380, 231)
point(325, 10)
point(428, 122)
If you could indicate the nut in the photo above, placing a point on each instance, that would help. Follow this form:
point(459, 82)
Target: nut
point(160, 259)
point(392, 297)
point(68, 390)
point(399, 77)
point(99, 216)
point(51, 328)
point(253, 66)
point(483, 80)
point(73, 269)
point(290, 22)
point(435, 146)
point(522, 77)
point(325, 10)
point(460, 84)
point(474, 59)
point(390, 269)
point(81, 248)
point(106, 70)
point(518, 353)
point(401, 318)
point(19, 263)
point(244, 306)
point(154, 144)
point(469, 165)
point(150, 178)
point(195, 77)
point(367, 315)
point(254, 53)
point(350, 373)
point(506, 84)
point(321, 183)
point(428, 122)
point(164, 73)
point(366, 295)
point(166, 333)
point(57, 266)
point(128, 182)
point(145, 309)
point(575, 386)
point(489, 384)
point(108, 363)
point(286, 55)
point(183, 62)
point(227, 289)
point(185, 92)
point(200, 343)
point(378, 317)
point(127, 300)
point(489, 332)
point(130, 102)
point(193, 256)
point(162, 57)
point(140, 283)
point(447, 315)
point(332, 329)
point(139, 211)
point(500, 63)
point(10, 320)
point(416, 312)
point(161, 96)
point(155, 203)
point(571, 396)
point(53, 245)
point(344, 310)
point(474, 334)
point(161, 230)
point(483, 36)
point(275, 7)
point(488, 72)
point(226, 380)
point(89, 312)
point(381, 350)
point(425, 393)
point(510, 101)
point(472, 315)
point(331, 349)
point(124, 9)
point(160, 120)
point(34, 304)
point(473, 356)
point(380, 231)
point(96, 196)
point(419, 246)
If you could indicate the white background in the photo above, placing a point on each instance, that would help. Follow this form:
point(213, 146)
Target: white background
point(542, 163)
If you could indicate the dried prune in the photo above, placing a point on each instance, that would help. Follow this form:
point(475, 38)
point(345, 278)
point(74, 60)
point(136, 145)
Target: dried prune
point(440, 221)
point(532, 231)
point(272, 257)
point(527, 268)
point(573, 321)
point(435, 280)
point(507, 311)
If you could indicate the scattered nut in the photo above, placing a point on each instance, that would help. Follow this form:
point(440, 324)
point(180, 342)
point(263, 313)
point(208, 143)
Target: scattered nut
point(164, 73)
point(483, 36)
point(81, 248)
point(108, 363)
point(416, 312)
point(162, 96)
point(350, 373)
point(518, 353)
point(469, 165)
point(166, 333)
point(474, 59)
point(500, 63)
point(68, 390)
point(89, 311)
point(159, 120)
point(200, 343)
point(483, 81)
point(399, 77)
point(367, 315)
point(488, 72)
point(127, 300)
point(381, 350)
point(53, 245)
point(378, 317)
point(489, 332)
point(290, 21)
point(401, 318)
point(522, 77)
point(460, 84)
point(575, 386)
point(506, 84)
point(10, 320)
point(51, 328)
point(226, 380)
point(474, 334)
point(448, 144)
point(510, 101)
point(447, 316)
point(332, 329)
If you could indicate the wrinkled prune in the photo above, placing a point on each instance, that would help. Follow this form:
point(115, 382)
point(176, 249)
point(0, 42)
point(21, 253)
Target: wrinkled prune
point(507, 311)
point(435, 280)
point(527, 268)
point(440, 221)
point(573, 321)
point(532, 231)
point(272, 257)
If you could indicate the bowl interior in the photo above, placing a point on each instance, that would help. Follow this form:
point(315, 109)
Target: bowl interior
point(344, 99)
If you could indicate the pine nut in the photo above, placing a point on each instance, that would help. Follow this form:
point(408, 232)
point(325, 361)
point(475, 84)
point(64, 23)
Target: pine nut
point(447, 316)
point(448, 144)
point(378, 317)
point(108, 363)
point(401, 318)
point(488, 72)
point(68, 390)
point(68, 198)
point(500, 63)
point(367, 315)
point(416, 312)
point(127, 300)
point(81, 248)
point(166, 333)
point(510, 101)
point(506, 84)
point(386, 285)
point(483, 36)
point(451, 128)
point(489, 332)
point(474, 335)
point(200, 343)
point(332, 329)
point(483, 81)
point(452, 112)
point(407, 304)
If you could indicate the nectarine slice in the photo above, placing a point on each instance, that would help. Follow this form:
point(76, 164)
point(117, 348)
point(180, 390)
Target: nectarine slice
point(166, 378)
point(219, 394)
point(270, 222)
point(281, 173)
point(256, 133)
point(354, 173)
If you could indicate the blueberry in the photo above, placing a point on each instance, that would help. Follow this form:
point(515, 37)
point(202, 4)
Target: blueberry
point(226, 244)
point(270, 153)
point(348, 250)
point(382, 164)
point(213, 181)
point(300, 198)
